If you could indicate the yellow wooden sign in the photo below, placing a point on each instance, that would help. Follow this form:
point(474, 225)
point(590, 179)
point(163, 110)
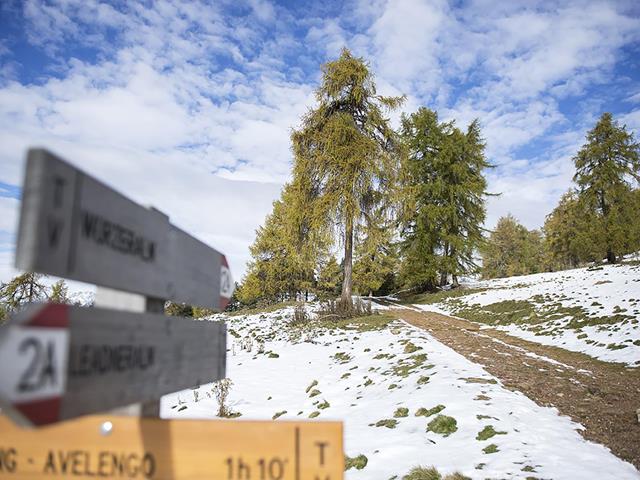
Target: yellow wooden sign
point(137, 448)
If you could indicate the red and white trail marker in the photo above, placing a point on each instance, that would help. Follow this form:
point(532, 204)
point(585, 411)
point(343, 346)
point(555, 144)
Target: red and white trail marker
point(59, 362)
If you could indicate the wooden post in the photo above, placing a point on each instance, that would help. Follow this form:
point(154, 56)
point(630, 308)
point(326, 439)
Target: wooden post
point(132, 302)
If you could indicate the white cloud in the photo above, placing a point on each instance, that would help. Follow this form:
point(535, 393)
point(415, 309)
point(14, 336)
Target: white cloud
point(8, 214)
point(185, 105)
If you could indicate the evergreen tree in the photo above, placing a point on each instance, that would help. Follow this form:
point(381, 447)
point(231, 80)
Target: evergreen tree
point(286, 250)
point(59, 292)
point(375, 255)
point(329, 278)
point(25, 288)
point(345, 149)
point(571, 234)
point(512, 250)
point(604, 166)
point(445, 199)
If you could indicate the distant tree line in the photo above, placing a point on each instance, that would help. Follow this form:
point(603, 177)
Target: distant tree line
point(407, 207)
point(598, 219)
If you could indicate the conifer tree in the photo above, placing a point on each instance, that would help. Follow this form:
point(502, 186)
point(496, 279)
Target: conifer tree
point(512, 250)
point(445, 198)
point(22, 289)
point(604, 166)
point(375, 254)
point(329, 278)
point(571, 235)
point(346, 149)
point(59, 292)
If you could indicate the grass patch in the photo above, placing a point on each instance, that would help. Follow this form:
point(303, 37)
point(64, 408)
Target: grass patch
point(278, 414)
point(411, 348)
point(342, 357)
point(488, 432)
point(314, 393)
point(423, 380)
point(358, 462)
point(479, 380)
point(273, 355)
point(261, 309)
point(313, 384)
point(324, 405)
point(424, 412)
point(422, 473)
point(437, 297)
point(387, 422)
point(408, 365)
point(401, 412)
point(493, 448)
point(360, 324)
point(314, 414)
point(443, 425)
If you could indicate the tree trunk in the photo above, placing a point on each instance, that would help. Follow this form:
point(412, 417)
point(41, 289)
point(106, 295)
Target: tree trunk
point(611, 256)
point(455, 281)
point(348, 261)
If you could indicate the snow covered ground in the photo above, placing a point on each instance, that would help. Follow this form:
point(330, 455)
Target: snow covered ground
point(375, 378)
point(595, 311)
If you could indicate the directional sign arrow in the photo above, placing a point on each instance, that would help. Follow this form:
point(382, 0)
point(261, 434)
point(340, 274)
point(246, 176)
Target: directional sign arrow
point(74, 226)
point(59, 362)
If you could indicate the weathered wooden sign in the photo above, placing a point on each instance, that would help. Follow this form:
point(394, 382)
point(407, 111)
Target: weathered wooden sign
point(119, 447)
point(74, 226)
point(59, 362)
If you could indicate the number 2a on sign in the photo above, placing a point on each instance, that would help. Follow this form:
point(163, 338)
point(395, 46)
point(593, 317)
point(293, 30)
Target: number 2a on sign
point(33, 363)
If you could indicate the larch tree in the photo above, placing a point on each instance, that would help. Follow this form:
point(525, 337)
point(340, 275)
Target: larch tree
point(605, 165)
point(347, 150)
point(59, 292)
point(24, 288)
point(375, 253)
point(511, 250)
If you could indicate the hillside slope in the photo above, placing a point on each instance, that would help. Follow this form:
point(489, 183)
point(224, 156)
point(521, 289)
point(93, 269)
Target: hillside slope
point(591, 310)
point(405, 398)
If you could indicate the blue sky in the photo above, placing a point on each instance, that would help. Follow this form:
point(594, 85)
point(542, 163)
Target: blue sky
point(188, 106)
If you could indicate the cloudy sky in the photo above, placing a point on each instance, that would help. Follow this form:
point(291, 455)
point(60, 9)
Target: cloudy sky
point(188, 106)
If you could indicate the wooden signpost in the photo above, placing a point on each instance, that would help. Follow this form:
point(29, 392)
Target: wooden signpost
point(74, 226)
point(58, 362)
point(120, 447)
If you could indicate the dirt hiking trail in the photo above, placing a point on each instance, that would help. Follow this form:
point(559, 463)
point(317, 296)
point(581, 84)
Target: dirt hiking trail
point(601, 396)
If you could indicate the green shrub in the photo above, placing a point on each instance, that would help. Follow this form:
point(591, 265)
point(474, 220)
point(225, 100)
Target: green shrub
point(493, 448)
point(423, 412)
point(488, 432)
point(387, 422)
point(401, 412)
point(443, 425)
point(358, 462)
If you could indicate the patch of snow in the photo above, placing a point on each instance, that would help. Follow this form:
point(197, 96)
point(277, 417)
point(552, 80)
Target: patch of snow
point(358, 393)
